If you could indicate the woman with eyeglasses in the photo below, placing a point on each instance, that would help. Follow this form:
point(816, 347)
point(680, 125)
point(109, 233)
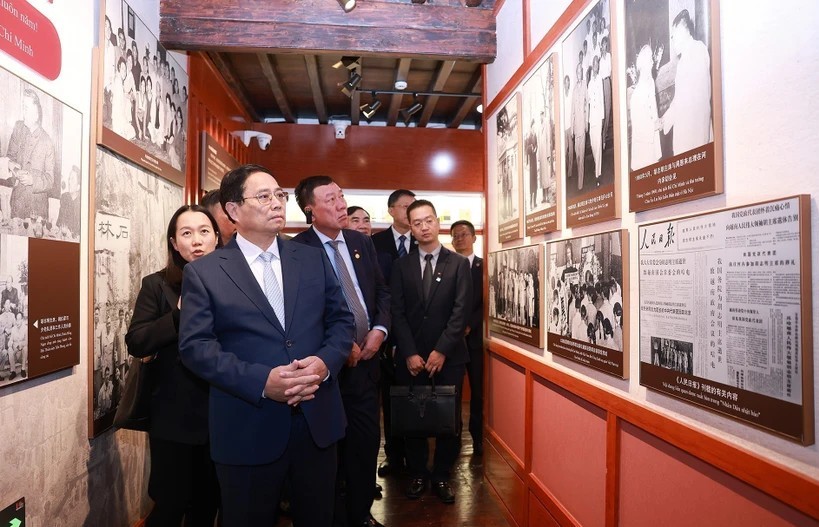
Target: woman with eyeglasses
point(183, 481)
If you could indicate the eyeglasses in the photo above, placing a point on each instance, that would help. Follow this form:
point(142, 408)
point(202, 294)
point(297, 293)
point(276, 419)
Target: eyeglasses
point(429, 221)
point(264, 198)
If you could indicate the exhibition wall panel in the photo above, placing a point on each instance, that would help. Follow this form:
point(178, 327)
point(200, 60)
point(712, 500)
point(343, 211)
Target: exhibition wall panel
point(569, 451)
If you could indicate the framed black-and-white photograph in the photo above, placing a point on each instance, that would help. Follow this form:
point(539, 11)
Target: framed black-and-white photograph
point(673, 101)
point(143, 96)
point(40, 160)
point(541, 164)
point(507, 144)
point(132, 210)
point(515, 295)
point(587, 300)
point(588, 90)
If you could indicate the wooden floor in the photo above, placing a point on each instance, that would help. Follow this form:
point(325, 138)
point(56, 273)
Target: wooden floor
point(475, 503)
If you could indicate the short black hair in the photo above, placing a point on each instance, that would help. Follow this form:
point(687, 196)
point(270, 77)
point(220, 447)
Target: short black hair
point(685, 18)
point(355, 208)
point(420, 203)
point(398, 194)
point(210, 199)
point(465, 223)
point(233, 184)
point(306, 187)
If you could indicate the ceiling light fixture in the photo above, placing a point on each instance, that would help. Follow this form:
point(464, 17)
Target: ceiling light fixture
point(347, 5)
point(419, 1)
point(352, 83)
point(415, 107)
point(473, 3)
point(369, 109)
point(480, 108)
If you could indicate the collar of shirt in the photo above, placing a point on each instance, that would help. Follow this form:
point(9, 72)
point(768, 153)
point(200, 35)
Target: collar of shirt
point(435, 253)
point(396, 234)
point(323, 238)
point(251, 252)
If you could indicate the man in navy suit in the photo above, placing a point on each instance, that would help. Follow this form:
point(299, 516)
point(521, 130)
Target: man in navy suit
point(430, 307)
point(353, 253)
point(264, 321)
point(390, 244)
point(463, 241)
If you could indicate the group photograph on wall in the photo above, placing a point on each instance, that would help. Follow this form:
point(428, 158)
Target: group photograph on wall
point(725, 307)
point(507, 145)
point(14, 301)
point(40, 160)
point(587, 300)
point(673, 101)
point(591, 177)
point(515, 294)
point(144, 95)
point(132, 211)
point(541, 164)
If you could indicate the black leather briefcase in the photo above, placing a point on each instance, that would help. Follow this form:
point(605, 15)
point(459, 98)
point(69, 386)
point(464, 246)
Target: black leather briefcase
point(425, 411)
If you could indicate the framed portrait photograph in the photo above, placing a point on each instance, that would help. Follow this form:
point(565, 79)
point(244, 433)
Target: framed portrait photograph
point(673, 101)
point(515, 296)
point(40, 160)
point(142, 96)
point(587, 300)
point(129, 243)
point(507, 144)
point(541, 164)
point(589, 101)
point(726, 318)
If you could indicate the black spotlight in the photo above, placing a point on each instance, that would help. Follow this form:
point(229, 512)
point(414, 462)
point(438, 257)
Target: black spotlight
point(407, 113)
point(347, 5)
point(352, 83)
point(369, 109)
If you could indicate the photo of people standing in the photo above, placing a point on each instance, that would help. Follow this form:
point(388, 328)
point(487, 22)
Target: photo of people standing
point(539, 161)
point(585, 295)
point(40, 156)
point(587, 103)
point(13, 309)
point(508, 171)
point(145, 90)
point(515, 293)
point(668, 79)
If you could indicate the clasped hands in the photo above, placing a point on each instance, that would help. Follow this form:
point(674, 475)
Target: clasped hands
point(433, 364)
point(296, 382)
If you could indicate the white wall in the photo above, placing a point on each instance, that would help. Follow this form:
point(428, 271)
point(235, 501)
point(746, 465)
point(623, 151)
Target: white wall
point(770, 70)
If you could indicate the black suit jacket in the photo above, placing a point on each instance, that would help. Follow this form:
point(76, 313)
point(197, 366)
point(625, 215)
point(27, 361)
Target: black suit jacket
point(384, 243)
point(475, 320)
point(179, 399)
point(375, 290)
point(437, 324)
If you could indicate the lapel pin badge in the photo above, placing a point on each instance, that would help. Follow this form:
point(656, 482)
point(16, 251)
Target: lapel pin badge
point(357, 256)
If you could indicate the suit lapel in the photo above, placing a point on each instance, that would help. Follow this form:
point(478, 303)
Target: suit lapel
point(238, 271)
point(440, 268)
point(171, 297)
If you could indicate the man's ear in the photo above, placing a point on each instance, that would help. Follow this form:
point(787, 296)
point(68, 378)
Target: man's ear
point(230, 209)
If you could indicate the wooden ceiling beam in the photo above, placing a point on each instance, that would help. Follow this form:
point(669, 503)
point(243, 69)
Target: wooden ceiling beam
point(376, 27)
point(269, 71)
point(315, 87)
point(395, 102)
point(226, 71)
point(474, 86)
point(441, 75)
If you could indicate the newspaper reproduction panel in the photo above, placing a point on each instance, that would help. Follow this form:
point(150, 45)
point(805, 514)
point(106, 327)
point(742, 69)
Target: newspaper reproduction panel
point(725, 313)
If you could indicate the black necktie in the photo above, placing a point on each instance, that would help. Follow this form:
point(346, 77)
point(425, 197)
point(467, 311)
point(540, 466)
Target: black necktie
point(402, 251)
point(426, 281)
